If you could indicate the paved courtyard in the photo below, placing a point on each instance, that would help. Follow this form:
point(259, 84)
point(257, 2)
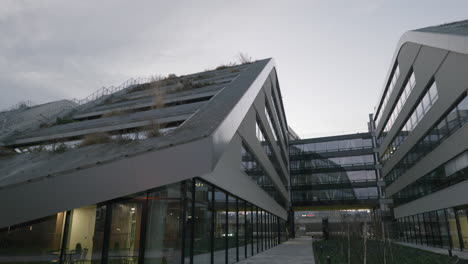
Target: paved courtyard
point(295, 251)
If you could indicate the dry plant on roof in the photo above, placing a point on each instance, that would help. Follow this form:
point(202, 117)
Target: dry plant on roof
point(153, 129)
point(244, 58)
point(96, 138)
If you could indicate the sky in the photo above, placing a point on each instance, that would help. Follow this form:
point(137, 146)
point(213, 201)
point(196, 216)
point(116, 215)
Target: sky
point(331, 56)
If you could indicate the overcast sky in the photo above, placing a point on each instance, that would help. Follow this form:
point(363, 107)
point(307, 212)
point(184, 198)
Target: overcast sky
point(332, 56)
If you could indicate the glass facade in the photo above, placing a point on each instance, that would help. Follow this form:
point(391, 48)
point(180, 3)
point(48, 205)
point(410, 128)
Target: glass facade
point(253, 168)
point(39, 241)
point(450, 123)
point(330, 146)
point(267, 147)
point(410, 83)
point(393, 79)
point(444, 228)
point(333, 169)
point(424, 105)
point(187, 222)
point(448, 174)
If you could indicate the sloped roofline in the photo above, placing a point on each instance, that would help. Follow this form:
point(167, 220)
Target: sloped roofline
point(441, 40)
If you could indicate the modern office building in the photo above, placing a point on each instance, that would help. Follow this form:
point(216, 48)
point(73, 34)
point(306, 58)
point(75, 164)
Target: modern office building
point(203, 168)
point(190, 169)
point(421, 130)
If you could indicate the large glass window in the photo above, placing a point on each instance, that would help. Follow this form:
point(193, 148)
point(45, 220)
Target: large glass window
point(453, 226)
point(447, 174)
point(232, 229)
point(256, 223)
point(391, 84)
point(220, 239)
point(163, 231)
point(435, 136)
point(267, 147)
point(38, 241)
point(202, 223)
point(242, 230)
point(85, 234)
point(253, 168)
point(250, 224)
point(124, 237)
point(425, 103)
point(463, 220)
point(443, 227)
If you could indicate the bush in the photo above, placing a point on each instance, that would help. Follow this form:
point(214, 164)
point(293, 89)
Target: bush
point(60, 148)
point(64, 120)
point(96, 138)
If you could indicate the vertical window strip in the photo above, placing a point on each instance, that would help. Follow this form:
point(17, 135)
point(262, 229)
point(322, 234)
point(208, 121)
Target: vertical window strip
point(424, 105)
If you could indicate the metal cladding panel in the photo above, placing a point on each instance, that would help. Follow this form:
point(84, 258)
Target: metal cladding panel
point(104, 182)
point(249, 85)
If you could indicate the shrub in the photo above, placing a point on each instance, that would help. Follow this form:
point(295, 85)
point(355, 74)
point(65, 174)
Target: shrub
point(154, 129)
point(60, 148)
point(64, 120)
point(96, 138)
point(244, 58)
point(4, 152)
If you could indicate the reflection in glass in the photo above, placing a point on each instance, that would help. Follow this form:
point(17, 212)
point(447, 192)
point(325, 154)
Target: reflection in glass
point(202, 223)
point(443, 226)
point(124, 237)
point(452, 221)
point(232, 229)
point(163, 231)
point(242, 230)
point(463, 220)
point(219, 254)
point(86, 234)
point(33, 242)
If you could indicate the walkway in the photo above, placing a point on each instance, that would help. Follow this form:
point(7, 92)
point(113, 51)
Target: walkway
point(295, 251)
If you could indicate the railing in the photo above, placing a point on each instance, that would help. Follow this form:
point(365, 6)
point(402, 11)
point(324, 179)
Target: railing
point(331, 183)
point(305, 152)
point(111, 89)
point(373, 199)
point(337, 166)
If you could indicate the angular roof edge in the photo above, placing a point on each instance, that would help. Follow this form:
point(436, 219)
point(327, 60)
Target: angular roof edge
point(442, 40)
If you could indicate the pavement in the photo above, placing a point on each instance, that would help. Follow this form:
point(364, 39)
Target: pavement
point(294, 251)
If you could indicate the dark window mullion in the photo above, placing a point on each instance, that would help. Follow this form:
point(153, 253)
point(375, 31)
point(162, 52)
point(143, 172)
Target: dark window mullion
point(65, 236)
point(107, 230)
point(144, 224)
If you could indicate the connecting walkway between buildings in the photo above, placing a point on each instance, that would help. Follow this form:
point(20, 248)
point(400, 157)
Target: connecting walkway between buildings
point(295, 251)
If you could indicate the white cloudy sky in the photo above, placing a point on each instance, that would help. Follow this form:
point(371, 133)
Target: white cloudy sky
point(332, 56)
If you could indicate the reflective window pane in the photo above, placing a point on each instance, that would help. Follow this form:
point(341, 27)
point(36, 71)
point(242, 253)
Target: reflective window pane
point(219, 254)
point(38, 241)
point(124, 238)
point(86, 233)
point(202, 223)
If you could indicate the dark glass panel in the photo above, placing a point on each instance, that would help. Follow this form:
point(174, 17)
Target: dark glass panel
point(86, 234)
point(124, 237)
point(443, 227)
point(219, 254)
point(202, 223)
point(232, 229)
point(452, 222)
point(242, 231)
point(37, 241)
